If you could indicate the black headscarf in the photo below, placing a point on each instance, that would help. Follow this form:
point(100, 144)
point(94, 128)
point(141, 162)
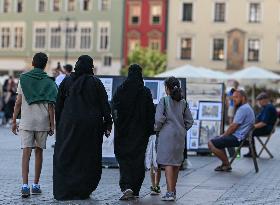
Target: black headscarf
point(83, 69)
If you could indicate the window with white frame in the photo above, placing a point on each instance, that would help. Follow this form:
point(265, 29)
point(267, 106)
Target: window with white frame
point(19, 6)
point(186, 48)
point(5, 37)
point(187, 12)
point(40, 38)
point(135, 14)
point(85, 39)
point(18, 37)
point(104, 5)
point(56, 5)
point(42, 6)
point(220, 11)
point(253, 50)
point(218, 49)
point(133, 44)
point(71, 5)
point(104, 36)
point(85, 5)
point(154, 44)
point(55, 37)
point(255, 13)
point(71, 37)
point(107, 61)
point(7, 6)
point(156, 13)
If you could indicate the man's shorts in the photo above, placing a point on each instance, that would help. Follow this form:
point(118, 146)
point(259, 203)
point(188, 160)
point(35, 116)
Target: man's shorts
point(33, 139)
point(227, 141)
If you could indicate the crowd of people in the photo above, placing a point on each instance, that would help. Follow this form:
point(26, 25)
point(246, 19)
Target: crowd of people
point(82, 113)
point(75, 106)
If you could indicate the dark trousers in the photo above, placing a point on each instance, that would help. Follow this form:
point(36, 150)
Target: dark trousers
point(132, 172)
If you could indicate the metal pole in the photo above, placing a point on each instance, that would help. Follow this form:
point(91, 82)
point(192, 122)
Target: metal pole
point(67, 19)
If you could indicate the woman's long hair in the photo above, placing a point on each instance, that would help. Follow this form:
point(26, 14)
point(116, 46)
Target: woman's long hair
point(173, 85)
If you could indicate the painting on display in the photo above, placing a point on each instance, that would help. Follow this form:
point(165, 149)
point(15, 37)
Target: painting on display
point(194, 114)
point(153, 85)
point(193, 143)
point(208, 130)
point(210, 111)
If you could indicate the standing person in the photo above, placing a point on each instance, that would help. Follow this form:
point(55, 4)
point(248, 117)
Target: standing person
point(173, 119)
point(63, 73)
point(231, 107)
point(36, 97)
point(83, 114)
point(133, 112)
point(9, 89)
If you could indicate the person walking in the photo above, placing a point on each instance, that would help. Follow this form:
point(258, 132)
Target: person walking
point(133, 114)
point(172, 120)
point(83, 115)
point(36, 98)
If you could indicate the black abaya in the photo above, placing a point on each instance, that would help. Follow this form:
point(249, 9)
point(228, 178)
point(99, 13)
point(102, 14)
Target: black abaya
point(82, 115)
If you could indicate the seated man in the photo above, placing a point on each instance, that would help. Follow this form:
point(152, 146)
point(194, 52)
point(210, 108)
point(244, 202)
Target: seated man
point(265, 120)
point(243, 122)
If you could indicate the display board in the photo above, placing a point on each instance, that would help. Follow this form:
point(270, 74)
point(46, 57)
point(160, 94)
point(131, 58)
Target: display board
point(111, 83)
point(206, 103)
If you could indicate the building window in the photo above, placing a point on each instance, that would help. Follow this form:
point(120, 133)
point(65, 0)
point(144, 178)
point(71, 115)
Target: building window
point(133, 44)
point(235, 46)
point(255, 13)
point(154, 44)
point(55, 5)
point(186, 49)
point(18, 37)
point(42, 5)
point(85, 5)
point(19, 6)
point(107, 61)
point(104, 37)
point(5, 37)
point(40, 38)
point(187, 12)
point(104, 5)
point(218, 49)
point(71, 38)
point(71, 5)
point(220, 9)
point(7, 5)
point(253, 50)
point(156, 12)
point(85, 38)
point(55, 41)
point(135, 13)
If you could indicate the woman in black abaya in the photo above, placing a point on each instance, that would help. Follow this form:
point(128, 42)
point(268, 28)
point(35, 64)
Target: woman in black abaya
point(82, 117)
point(133, 113)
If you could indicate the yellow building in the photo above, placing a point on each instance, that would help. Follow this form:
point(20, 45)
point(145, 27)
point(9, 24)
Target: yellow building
point(224, 34)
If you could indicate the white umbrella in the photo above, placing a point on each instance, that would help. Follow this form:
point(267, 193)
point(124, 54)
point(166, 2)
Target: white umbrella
point(253, 76)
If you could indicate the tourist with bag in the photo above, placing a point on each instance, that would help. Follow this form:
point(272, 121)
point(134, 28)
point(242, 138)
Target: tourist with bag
point(172, 120)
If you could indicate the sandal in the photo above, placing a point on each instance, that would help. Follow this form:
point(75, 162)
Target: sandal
point(223, 168)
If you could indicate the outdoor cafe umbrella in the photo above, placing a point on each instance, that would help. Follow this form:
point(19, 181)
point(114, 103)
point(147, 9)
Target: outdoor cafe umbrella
point(253, 76)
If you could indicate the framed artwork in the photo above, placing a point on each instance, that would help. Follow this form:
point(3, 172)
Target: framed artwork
point(194, 143)
point(210, 111)
point(208, 130)
point(193, 104)
point(153, 85)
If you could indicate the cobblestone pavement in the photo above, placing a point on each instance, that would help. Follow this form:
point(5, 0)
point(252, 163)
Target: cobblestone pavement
point(196, 185)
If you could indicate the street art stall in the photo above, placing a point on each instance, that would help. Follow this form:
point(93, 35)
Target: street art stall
point(207, 105)
point(111, 83)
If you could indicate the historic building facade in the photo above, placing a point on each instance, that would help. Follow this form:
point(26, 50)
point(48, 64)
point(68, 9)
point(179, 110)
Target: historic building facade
point(224, 34)
point(64, 29)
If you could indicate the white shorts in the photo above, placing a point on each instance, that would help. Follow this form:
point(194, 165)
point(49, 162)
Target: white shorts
point(33, 139)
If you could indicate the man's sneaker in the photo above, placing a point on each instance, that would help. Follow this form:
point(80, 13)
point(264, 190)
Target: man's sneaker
point(36, 189)
point(155, 190)
point(127, 195)
point(25, 192)
point(169, 196)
